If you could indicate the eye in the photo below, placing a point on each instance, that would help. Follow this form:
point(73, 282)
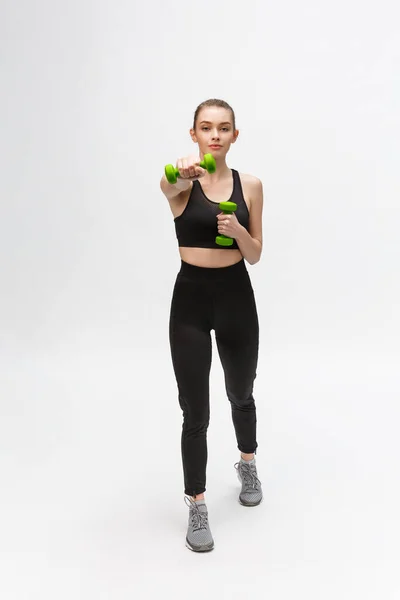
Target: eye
point(204, 128)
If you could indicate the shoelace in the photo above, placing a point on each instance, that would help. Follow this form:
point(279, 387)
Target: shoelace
point(199, 519)
point(249, 475)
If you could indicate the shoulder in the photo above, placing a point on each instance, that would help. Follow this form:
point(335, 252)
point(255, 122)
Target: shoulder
point(250, 180)
point(253, 187)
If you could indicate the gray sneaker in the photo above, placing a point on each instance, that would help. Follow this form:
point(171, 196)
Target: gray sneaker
point(198, 538)
point(251, 493)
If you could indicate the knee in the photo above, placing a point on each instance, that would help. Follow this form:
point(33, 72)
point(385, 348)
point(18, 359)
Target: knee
point(241, 394)
point(243, 401)
point(196, 417)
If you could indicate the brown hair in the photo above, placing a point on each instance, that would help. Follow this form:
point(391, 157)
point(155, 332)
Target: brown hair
point(213, 102)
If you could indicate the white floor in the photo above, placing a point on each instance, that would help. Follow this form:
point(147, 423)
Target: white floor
point(92, 501)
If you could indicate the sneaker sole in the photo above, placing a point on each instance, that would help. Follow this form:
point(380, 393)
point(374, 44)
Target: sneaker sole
point(254, 504)
point(205, 548)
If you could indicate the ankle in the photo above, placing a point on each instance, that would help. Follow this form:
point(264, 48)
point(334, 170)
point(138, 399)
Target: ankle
point(198, 497)
point(247, 457)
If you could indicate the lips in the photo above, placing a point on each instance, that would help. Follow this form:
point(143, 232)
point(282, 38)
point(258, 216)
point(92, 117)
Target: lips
point(215, 146)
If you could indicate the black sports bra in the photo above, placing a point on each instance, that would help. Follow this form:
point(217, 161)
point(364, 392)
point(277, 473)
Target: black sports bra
point(197, 226)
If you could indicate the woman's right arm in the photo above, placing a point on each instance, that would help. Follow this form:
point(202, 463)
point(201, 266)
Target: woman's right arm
point(189, 170)
point(172, 190)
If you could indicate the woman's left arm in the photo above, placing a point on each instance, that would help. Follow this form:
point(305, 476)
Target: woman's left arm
point(250, 242)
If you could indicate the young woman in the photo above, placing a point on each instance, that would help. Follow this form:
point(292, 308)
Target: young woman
point(213, 291)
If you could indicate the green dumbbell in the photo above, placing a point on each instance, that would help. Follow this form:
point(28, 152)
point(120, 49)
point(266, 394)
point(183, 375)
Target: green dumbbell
point(227, 208)
point(208, 163)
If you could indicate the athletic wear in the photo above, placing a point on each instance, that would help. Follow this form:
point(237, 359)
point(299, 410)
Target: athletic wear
point(197, 226)
point(198, 537)
point(220, 299)
point(251, 493)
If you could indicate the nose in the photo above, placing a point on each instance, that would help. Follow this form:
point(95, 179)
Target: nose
point(215, 135)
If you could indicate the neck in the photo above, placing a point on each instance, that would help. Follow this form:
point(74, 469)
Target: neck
point(222, 172)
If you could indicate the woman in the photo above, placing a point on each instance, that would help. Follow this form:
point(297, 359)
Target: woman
point(213, 291)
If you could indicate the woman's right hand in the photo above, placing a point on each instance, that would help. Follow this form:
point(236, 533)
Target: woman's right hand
point(189, 168)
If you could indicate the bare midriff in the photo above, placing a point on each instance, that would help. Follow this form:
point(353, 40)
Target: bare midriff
point(210, 257)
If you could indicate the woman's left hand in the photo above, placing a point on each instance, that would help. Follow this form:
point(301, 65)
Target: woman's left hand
point(228, 225)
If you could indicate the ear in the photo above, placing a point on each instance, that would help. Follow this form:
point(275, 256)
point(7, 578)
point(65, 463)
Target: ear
point(193, 135)
point(236, 135)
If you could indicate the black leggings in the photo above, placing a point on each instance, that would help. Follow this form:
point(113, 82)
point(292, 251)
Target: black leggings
point(221, 299)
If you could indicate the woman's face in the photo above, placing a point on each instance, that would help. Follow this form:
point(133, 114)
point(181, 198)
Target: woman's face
point(214, 128)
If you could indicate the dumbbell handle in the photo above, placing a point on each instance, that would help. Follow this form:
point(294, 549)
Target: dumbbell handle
point(177, 174)
point(208, 163)
point(227, 208)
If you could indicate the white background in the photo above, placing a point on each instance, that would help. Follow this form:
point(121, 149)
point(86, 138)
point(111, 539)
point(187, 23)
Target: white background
point(96, 97)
